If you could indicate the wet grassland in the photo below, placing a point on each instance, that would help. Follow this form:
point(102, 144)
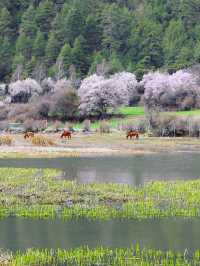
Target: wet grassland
point(43, 194)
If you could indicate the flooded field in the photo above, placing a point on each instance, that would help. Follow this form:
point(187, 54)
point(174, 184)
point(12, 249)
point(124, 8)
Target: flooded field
point(133, 170)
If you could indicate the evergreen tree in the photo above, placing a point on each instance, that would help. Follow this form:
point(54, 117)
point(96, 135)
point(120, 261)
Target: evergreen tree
point(5, 57)
point(24, 45)
point(44, 16)
point(52, 49)
point(129, 34)
point(5, 23)
point(115, 64)
point(174, 39)
point(116, 25)
point(66, 55)
point(93, 33)
point(28, 25)
point(74, 23)
point(80, 55)
point(97, 60)
point(39, 45)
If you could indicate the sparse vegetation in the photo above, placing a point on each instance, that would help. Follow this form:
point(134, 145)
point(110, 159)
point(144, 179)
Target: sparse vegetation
point(41, 140)
point(6, 140)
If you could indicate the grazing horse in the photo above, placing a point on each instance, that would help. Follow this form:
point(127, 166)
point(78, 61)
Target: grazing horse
point(132, 134)
point(66, 134)
point(28, 135)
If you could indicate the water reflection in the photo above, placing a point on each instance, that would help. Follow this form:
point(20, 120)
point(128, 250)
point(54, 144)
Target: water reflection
point(133, 170)
point(164, 234)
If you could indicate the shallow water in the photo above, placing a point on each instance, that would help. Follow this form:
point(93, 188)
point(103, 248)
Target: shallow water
point(164, 234)
point(133, 170)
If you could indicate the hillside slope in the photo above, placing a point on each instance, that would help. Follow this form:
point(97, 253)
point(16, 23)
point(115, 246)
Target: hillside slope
point(48, 37)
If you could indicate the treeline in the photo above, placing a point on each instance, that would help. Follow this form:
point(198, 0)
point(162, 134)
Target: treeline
point(58, 38)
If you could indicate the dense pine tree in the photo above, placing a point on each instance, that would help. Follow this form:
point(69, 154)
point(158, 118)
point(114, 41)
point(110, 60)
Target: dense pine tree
point(127, 34)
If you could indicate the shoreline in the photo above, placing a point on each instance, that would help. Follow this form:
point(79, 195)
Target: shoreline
point(97, 145)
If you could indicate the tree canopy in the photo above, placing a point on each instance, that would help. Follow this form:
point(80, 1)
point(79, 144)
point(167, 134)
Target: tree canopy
point(130, 35)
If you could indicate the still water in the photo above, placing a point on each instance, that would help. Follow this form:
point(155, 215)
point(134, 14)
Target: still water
point(164, 234)
point(133, 170)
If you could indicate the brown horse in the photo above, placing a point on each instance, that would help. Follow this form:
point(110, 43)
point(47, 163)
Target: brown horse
point(66, 134)
point(28, 135)
point(132, 134)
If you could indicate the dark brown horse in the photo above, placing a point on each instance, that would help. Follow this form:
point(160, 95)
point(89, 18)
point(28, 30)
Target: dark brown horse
point(66, 134)
point(28, 135)
point(132, 134)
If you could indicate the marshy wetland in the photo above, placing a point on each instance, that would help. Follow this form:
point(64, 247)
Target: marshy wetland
point(127, 210)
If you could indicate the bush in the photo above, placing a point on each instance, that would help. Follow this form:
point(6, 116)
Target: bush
point(43, 107)
point(4, 110)
point(57, 125)
point(3, 125)
point(35, 125)
point(104, 127)
point(41, 140)
point(86, 125)
point(6, 140)
point(166, 126)
point(48, 85)
point(69, 127)
point(65, 105)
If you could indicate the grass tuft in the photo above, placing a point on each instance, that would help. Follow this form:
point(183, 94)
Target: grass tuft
point(6, 140)
point(40, 140)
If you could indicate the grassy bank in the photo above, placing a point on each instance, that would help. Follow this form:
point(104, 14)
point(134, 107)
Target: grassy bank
point(102, 256)
point(43, 194)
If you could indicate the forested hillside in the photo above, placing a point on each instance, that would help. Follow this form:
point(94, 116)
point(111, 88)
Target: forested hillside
point(38, 37)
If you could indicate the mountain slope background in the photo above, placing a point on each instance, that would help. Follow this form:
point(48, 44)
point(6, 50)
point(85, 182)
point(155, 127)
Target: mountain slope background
point(38, 37)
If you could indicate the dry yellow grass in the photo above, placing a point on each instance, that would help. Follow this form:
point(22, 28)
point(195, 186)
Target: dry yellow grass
point(6, 140)
point(40, 140)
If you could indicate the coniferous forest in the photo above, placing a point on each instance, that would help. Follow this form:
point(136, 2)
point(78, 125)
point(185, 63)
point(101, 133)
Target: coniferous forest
point(132, 35)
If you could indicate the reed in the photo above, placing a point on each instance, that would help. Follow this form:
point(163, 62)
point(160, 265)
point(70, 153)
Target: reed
point(84, 256)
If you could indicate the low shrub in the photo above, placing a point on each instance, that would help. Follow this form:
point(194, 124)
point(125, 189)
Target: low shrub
point(3, 125)
point(86, 125)
point(176, 126)
point(140, 124)
point(104, 127)
point(57, 125)
point(40, 140)
point(6, 140)
point(35, 125)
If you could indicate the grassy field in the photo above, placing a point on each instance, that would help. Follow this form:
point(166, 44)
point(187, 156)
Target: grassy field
point(139, 111)
point(33, 193)
point(131, 113)
point(101, 256)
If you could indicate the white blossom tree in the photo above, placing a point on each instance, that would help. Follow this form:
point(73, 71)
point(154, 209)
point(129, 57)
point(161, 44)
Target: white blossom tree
point(170, 91)
point(23, 90)
point(97, 93)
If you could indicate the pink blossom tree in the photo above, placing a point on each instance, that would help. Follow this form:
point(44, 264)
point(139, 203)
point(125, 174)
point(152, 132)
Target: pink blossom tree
point(170, 91)
point(97, 93)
